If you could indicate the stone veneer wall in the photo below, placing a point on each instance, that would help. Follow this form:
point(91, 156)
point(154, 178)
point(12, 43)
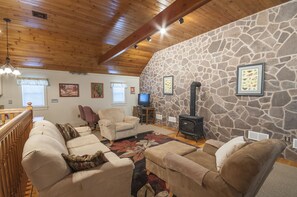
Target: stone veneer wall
point(212, 58)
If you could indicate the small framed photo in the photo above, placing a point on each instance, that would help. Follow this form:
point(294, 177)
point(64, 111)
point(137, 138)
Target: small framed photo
point(250, 80)
point(168, 85)
point(68, 90)
point(132, 90)
point(97, 90)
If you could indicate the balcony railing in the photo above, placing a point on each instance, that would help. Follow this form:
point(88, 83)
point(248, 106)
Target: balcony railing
point(13, 134)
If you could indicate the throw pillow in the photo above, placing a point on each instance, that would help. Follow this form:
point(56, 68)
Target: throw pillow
point(228, 149)
point(64, 131)
point(77, 163)
point(72, 131)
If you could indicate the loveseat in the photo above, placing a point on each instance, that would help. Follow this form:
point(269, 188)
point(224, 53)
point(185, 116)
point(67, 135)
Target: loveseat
point(114, 124)
point(50, 174)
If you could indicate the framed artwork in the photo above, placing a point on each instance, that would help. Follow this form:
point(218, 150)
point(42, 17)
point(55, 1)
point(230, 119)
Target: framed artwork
point(250, 80)
point(132, 90)
point(168, 85)
point(68, 90)
point(97, 90)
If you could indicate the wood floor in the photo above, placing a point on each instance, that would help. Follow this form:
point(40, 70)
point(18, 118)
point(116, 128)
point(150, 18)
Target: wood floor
point(32, 192)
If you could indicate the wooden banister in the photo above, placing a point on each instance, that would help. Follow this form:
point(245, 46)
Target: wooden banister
point(13, 136)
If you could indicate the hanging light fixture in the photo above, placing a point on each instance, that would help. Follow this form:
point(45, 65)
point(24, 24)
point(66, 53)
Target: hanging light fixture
point(7, 68)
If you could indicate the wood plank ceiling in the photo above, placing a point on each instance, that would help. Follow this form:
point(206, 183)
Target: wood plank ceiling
point(77, 33)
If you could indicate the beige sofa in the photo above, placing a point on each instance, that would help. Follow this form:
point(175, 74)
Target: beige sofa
point(114, 124)
point(50, 174)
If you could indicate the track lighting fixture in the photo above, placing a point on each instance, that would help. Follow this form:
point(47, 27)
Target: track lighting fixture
point(135, 46)
point(181, 20)
point(149, 39)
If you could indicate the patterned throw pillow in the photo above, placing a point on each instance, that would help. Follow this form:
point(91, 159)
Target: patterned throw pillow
point(73, 132)
point(64, 131)
point(77, 163)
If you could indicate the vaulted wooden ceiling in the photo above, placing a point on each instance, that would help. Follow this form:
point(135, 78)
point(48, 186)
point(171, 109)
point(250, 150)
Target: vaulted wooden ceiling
point(78, 33)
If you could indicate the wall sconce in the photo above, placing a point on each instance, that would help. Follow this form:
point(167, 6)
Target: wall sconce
point(149, 39)
point(135, 46)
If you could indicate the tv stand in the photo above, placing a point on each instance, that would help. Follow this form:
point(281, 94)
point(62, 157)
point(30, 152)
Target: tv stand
point(146, 114)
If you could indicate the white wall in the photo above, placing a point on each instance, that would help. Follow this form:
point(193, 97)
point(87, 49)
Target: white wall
point(66, 109)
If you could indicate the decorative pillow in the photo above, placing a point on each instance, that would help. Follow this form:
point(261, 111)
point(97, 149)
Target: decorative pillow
point(228, 149)
point(64, 131)
point(72, 131)
point(77, 163)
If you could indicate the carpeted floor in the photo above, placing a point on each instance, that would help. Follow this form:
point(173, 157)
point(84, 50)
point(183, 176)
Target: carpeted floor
point(281, 182)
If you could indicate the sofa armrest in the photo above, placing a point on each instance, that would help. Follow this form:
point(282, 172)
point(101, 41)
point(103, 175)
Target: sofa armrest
point(186, 167)
point(131, 119)
point(105, 122)
point(108, 179)
point(211, 146)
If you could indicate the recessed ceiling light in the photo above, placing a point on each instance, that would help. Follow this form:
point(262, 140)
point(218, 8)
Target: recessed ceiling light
point(163, 30)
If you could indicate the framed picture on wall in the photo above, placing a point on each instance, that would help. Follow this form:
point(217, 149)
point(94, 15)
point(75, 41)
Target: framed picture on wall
point(132, 90)
point(168, 85)
point(68, 90)
point(250, 80)
point(97, 90)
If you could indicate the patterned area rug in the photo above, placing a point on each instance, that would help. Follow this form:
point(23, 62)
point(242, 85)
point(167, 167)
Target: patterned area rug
point(142, 185)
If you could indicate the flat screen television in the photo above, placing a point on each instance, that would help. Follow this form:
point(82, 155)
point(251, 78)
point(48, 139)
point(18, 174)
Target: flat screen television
point(144, 99)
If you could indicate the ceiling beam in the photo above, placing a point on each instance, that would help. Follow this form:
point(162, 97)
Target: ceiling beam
point(172, 13)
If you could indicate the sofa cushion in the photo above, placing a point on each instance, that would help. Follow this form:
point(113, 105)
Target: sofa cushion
point(228, 149)
point(204, 159)
point(85, 130)
point(121, 126)
point(89, 149)
point(43, 162)
point(78, 163)
point(82, 141)
point(48, 131)
point(157, 153)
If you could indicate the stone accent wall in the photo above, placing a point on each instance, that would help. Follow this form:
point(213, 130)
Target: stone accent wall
point(269, 36)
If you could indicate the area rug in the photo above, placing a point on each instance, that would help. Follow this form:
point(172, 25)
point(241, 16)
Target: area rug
point(133, 148)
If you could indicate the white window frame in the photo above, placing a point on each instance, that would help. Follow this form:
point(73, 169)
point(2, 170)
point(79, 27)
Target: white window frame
point(119, 85)
point(45, 106)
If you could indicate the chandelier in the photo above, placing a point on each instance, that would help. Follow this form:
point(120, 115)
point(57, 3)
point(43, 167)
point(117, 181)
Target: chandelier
point(7, 68)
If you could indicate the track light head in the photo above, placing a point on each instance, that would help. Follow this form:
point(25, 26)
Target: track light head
point(135, 46)
point(149, 39)
point(181, 20)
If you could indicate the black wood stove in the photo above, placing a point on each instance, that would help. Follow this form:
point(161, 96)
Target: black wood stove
point(191, 124)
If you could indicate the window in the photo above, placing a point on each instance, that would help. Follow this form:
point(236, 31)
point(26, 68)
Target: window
point(118, 93)
point(33, 90)
point(34, 94)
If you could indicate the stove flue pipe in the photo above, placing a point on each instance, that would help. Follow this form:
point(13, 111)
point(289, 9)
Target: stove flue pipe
point(194, 85)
